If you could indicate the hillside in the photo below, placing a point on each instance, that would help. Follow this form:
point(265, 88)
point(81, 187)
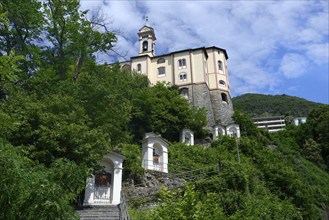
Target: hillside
point(61, 112)
point(262, 175)
point(257, 105)
point(265, 183)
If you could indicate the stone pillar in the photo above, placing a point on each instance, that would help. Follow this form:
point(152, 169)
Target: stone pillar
point(165, 160)
point(147, 156)
point(89, 193)
point(116, 188)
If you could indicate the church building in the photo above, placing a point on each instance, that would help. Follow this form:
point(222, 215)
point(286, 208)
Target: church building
point(201, 75)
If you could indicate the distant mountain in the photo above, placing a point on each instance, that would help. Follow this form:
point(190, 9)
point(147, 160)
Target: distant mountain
point(258, 105)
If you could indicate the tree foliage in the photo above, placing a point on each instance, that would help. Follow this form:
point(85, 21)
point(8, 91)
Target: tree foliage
point(258, 105)
point(260, 176)
point(62, 112)
point(31, 191)
point(164, 111)
point(311, 138)
point(267, 183)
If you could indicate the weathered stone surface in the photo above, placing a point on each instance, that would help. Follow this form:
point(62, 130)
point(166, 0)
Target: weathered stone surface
point(99, 213)
point(218, 112)
point(152, 182)
point(223, 111)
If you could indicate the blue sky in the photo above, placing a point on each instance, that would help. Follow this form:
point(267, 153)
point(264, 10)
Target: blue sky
point(274, 47)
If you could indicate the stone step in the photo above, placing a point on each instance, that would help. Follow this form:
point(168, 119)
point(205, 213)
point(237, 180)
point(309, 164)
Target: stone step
point(99, 213)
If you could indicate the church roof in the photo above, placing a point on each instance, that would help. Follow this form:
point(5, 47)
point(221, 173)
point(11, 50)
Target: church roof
point(146, 28)
point(186, 50)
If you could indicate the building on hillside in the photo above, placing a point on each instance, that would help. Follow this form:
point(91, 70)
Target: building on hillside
point(187, 137)
point(270, 123)
point(231, 130)
point(298, 121)
point(104, 186)
point(201, 75)
point(155, 153)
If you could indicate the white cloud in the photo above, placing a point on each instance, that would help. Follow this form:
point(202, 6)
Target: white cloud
point(265, 40)
point(318, 53)
point(293, 65)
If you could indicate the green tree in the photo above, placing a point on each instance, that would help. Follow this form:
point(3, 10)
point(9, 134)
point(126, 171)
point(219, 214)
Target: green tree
point(246, 125)
point(31, 191)
point(164, 111)
point(8, 63)
point(22, 36)
point(73, 38)
point(316, 128)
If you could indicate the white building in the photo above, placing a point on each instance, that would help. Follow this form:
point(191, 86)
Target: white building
point(104, 187)
point(155, 153)
point(298, 121)
point(187, 137)
point(201, 74)
point(270, 123)
point(231, 130)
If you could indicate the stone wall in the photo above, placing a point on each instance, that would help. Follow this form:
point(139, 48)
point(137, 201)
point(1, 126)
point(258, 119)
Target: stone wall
point(199, 97)
point(148, 186)
point(223, 111)
point(218, 112)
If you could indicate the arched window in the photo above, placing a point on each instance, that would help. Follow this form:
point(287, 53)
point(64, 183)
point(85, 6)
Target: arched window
point(224, 97)
point(184, 92)
point(155, 156)
point(181, 63)
point(222, 82)
point(220, 65)
point(187, 138)
point(139, 67)
point(126, 67)
point(182, 77)
point(145, 46)
point(161, 71)
point(161, 60)
point(233, 132)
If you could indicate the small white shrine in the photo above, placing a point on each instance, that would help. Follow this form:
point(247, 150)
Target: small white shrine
point(154, 153)
point(187, 137)
point(218, 130)
point(299, 121)
point(231, 130)
point(104, 187)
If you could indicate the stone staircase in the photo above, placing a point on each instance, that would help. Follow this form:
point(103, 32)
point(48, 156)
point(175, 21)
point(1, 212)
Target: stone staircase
point(99, 213)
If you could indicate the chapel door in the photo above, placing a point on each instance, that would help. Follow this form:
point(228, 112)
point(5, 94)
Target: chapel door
point(102, 190)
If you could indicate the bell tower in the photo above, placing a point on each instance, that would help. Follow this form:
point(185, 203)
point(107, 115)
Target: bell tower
point(146, 40)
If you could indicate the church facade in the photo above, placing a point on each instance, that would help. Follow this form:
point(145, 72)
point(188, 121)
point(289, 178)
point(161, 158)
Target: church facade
point(201, 75)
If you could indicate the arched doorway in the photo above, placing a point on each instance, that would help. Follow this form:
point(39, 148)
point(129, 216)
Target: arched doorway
point(103, 183)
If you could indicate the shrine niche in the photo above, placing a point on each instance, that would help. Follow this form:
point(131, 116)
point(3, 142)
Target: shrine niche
point(231, 130)
point(218, 130)
point(103, 178)
point(104, 186)
point(154, 153)
point(187, 137)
